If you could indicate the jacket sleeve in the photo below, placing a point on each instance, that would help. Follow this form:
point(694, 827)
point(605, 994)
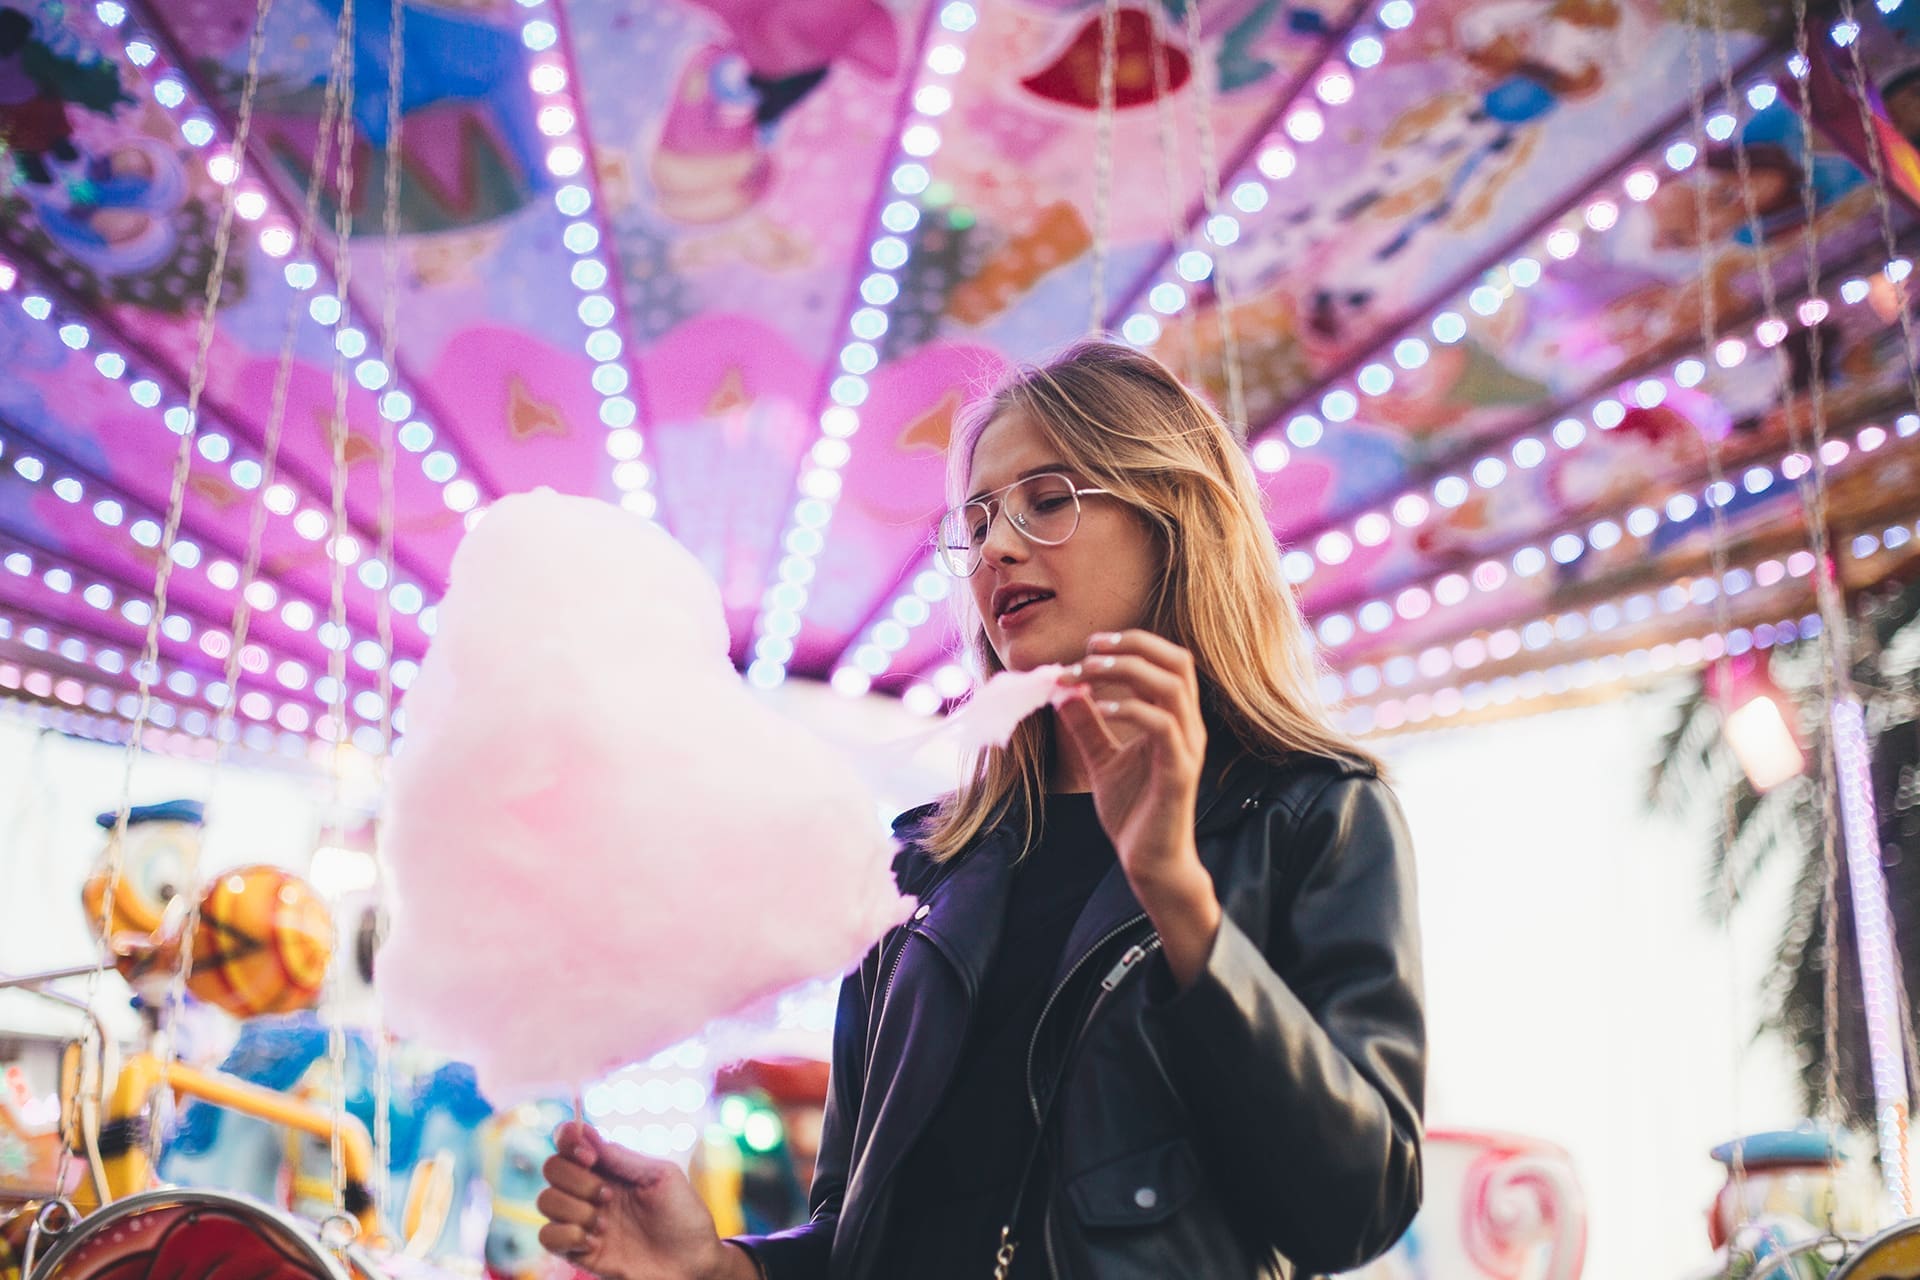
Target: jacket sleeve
point(1303, 1065)
point(802, 1252)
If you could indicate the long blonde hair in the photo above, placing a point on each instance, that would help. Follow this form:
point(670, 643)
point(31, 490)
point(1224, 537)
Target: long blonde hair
point(1124, 422)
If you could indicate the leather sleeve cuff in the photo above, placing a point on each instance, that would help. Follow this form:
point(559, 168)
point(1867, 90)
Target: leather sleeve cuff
point(798, 1254)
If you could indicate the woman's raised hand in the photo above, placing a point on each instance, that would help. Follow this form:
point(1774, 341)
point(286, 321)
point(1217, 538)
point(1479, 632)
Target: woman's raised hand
point(1146, 778)
point(626, 1216)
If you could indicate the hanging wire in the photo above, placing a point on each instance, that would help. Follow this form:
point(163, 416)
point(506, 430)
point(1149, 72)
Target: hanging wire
point(167, 1047)
point(389, 343)
point(1722, 610)
point(1103, 162)
point(1170, 176)
point(1813, 501)
point(148, 667)
point(1210, 194)
point(336, 585)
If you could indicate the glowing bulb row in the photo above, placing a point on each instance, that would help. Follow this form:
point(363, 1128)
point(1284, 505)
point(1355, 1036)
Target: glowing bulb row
point(561, 120)
point(869, 659)
point(1567, 627)
point(200, 129)
point(1251, 190)
point(1453, 700)
point(244, 468)
point(184, 732)
point(254, 705)
point(1454, 588)
point(64, 579)
point(888, 255)
point(1414, 507)
point(1593, 214)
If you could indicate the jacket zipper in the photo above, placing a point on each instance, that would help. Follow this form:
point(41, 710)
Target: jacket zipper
point(886, 993)
point(1131, 957)
point(1033, 1045)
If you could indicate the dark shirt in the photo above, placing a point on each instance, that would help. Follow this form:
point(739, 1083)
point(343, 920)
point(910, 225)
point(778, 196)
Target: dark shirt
point(955, 1188)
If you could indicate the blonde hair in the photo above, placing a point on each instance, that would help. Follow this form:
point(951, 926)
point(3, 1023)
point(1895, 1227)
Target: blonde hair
point(1122, 420)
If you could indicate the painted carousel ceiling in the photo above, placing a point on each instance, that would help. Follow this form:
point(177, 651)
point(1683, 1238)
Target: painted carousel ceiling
point(1482, 280)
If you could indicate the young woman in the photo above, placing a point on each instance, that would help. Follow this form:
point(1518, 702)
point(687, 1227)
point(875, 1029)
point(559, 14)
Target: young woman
point(1159, 1011)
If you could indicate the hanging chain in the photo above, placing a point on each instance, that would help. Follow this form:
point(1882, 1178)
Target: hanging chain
point(1811, 488)
point(383, 607)
point(1210, 195)
point(1722, 609)
point(148, 667)
point(337, 739)
point(1170, 177)
point(1103, 162)
point(175, 999)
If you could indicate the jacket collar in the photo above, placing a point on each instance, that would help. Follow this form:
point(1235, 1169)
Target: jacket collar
point(965, 909)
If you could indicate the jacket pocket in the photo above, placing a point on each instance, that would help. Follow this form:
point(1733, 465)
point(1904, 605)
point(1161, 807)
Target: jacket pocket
point(1139, 1189)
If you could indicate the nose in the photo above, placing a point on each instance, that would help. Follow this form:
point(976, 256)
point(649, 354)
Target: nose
point(1004, 544)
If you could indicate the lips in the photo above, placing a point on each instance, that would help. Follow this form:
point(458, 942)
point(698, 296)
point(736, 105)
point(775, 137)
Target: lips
point(1010, 601)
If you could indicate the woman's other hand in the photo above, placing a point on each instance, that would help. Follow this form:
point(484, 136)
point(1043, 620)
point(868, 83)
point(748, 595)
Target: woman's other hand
point(626, 1216)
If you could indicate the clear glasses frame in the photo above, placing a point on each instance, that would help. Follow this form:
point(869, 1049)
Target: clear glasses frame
point(960, 551)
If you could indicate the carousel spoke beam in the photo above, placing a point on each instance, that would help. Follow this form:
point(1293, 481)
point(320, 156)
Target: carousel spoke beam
point(624, 403)
point(285, 209)
point(938, 54)
point(1691, 495)
point(1415, 314)
point(57, 663)
point(193, 642)
point(1196, 213)
point(1789, 598)
point(37, 277)
point(1461, 460)
point(57, 465)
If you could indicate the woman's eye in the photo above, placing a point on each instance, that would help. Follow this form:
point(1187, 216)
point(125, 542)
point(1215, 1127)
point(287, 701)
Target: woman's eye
point(1051, 503)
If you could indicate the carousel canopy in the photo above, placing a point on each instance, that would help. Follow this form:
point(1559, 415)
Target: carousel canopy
point(1518, 303)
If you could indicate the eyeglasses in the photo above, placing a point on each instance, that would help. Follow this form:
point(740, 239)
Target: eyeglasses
point(1043, 509)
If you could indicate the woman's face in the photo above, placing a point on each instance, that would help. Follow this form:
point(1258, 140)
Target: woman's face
point(1100, 579)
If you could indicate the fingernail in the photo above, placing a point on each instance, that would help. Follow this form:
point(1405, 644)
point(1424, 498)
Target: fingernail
point(603, 1196)
point(1109, 708)
point(1104, 638)
point(1070, 673)
point(581, 1154)
point(1104, 663)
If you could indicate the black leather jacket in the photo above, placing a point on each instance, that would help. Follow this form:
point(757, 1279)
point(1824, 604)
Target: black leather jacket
point(1265, 1122)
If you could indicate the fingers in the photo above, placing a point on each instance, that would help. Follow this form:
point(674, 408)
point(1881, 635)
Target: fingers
point(1157, 725)
point(1159, 650)
point(1116, 675)
point(570, 1178)
point(558, 1207)
point(1085, 730)
point(569, 1241)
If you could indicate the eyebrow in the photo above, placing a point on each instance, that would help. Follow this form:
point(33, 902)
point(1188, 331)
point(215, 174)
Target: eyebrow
point(1028, 474)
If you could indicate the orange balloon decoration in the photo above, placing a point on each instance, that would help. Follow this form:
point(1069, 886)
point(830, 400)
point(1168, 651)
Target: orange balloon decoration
point(263, 943)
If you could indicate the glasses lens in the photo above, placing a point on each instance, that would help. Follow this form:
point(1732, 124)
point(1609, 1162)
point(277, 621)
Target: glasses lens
point(963, 532)
point(1044, 508)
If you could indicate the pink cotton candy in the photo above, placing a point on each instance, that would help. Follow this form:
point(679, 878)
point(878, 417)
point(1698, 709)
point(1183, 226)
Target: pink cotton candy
point(990, 716)
point(598, 840)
